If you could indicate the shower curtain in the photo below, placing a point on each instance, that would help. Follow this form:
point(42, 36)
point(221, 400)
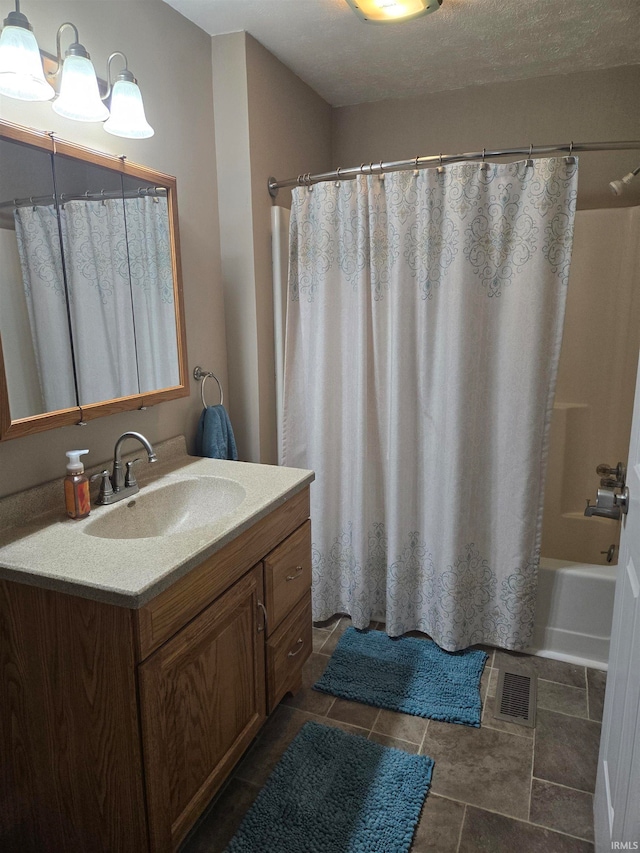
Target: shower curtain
point(424, 326)
point(120, 287)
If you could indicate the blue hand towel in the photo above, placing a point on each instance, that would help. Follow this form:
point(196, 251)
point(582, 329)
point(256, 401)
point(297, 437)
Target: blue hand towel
point(215, 435)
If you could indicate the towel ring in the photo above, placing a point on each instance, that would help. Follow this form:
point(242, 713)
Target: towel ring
point(202, 375)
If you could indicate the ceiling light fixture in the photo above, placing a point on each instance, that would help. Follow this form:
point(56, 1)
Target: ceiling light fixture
point(75, 85)
point(389, 11)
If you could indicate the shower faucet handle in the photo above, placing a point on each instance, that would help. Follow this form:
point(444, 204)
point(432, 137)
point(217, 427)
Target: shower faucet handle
point(609, 483)
point(618, 474)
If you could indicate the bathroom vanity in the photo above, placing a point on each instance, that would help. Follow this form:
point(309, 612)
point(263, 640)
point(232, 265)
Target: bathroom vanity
point(137, 671)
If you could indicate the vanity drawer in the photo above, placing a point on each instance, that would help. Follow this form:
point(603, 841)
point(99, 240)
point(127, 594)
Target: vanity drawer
point(287, 650)
point(287, 575)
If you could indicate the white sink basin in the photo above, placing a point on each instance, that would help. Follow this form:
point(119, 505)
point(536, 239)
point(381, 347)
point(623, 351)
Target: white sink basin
point(173, 507)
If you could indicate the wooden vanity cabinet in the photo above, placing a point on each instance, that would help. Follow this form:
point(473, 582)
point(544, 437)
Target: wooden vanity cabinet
point(202, 701)
point(118, 735)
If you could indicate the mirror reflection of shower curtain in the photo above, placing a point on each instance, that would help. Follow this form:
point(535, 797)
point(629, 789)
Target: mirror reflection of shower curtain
point(151, 269)
point(117, 352)
point(424, 326)
point(38, 242)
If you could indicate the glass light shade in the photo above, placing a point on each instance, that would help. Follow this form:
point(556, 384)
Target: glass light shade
point(387, 11)
point(21, 73)
point(127, 112)
point(79, 97)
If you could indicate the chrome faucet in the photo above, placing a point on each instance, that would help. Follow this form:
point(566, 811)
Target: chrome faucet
point(607, 505)
point(612, 500)
point(118, 485)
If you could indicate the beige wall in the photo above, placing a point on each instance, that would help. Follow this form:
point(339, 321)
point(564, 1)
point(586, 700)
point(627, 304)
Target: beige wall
point(290, 132)
point(585, 107)
point(268, 122)
point(172, 59)
point(231, 112)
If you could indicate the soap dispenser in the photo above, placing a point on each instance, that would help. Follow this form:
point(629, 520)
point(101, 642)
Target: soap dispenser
point(76, 486)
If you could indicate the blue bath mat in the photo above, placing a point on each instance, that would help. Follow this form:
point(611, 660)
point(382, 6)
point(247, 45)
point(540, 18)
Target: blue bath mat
point(333, 792)
point(406, 674)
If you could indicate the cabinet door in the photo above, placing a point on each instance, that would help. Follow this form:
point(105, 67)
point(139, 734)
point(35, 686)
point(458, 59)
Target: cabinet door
point(202, 698)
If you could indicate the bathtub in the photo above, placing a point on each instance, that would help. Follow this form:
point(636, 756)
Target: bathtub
point(574, 612)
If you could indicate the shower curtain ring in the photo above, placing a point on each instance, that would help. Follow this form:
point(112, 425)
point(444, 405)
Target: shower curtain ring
point(570, 160)
point(362, 168)
point(309, 182)
point(529, 163)
point(415, 168)
point(484, 166)
point(338, 174)
point(381, 171)
point(440, 166)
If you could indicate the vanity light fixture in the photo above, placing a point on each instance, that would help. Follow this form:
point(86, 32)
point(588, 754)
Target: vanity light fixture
point(127, 110)
point(79, 96)
point(21, 72)
point(390, 11)
point(75, 85)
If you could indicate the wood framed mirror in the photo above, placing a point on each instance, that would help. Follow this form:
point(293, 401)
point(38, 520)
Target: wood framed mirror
point(91, 305)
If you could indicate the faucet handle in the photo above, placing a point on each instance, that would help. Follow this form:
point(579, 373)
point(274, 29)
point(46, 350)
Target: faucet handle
point(609, 483)
point(130, 478)
point(105, 486)
point(618, 474)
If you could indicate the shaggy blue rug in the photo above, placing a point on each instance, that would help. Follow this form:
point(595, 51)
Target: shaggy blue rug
point(406, 674)
point(333, 792)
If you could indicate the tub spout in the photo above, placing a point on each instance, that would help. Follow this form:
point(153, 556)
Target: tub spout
point(603, 512)
point(608, 505)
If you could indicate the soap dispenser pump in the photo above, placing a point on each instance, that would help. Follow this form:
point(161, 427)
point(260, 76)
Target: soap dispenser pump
point(76, 486)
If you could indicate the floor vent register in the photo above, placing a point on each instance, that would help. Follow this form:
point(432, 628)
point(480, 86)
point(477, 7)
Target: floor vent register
point(516, 698)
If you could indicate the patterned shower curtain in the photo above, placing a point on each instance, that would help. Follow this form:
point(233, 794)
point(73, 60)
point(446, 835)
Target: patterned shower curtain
point(424, 326)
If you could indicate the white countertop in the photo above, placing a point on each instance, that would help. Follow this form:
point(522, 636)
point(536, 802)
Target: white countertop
point(55, 552)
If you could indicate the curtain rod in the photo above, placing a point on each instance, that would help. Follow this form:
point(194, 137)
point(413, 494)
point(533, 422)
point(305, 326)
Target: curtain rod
point(441, 159)
point(97, 196)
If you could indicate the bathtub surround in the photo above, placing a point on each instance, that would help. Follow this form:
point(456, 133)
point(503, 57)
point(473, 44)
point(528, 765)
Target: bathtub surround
point(338, 793)
point(593, 381)
point(419, 384)
point(407, 674)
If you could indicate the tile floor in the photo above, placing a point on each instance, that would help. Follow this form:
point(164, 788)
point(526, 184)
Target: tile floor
point(500, 788)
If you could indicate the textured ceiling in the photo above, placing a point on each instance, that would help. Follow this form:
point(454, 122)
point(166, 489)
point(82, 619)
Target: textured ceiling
point(466, 42)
